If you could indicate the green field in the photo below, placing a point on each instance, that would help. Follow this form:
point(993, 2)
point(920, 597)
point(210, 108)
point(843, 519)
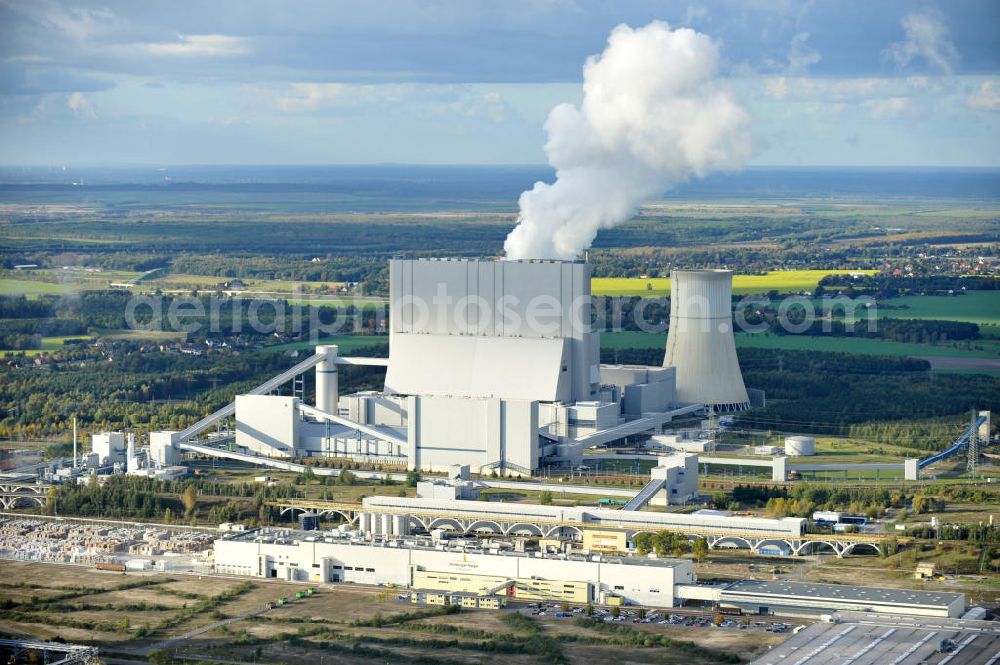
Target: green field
point(32, 288)
point(982, 307)
point(346, 343)
point(785, 281)
point(639, 340)
point(361, 302)
point(875, 347)
point(48, 344)
point(146, 335)
point(57, 282)
point(207, 282)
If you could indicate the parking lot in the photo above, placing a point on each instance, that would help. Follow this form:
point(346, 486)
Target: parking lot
point(663, 618)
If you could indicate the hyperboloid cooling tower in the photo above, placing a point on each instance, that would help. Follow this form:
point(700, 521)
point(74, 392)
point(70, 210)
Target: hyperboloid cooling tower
point(700, 341)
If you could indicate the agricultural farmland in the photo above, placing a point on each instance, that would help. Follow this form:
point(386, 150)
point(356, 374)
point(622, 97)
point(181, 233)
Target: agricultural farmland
point(982, 307)
point(784, 281)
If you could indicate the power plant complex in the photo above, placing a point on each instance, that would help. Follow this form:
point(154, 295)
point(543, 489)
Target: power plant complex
point(496, 365)
point(494, 371)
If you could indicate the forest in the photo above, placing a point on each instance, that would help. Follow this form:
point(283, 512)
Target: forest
point(829, 393)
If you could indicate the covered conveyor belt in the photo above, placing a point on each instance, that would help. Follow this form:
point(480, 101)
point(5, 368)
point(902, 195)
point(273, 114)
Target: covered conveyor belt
point(362, 360)
point(648, 422)
point(366, 429)
point(960, 443)
point(645, 494)
point(262, 389)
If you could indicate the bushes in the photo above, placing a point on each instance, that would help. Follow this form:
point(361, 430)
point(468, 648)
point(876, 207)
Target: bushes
point(206, 605)
point(802, 499)
point(629, 637)
point(928, 504)
point(403, 617)
point(663, 543)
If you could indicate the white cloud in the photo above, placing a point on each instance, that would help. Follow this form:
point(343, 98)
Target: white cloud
point(800, 56)
point(986, 97)
point(696, 14)
point(888, 108)
point(490, 105)
point(927, 38)
point(79, 105)
point(803, 88)
point(467, 101)
point(776, 87)
point(308, 96)
point(78, 24)
point(200, 46)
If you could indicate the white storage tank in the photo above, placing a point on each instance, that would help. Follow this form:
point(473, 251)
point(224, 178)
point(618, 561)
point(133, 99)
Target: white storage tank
point(800, 445)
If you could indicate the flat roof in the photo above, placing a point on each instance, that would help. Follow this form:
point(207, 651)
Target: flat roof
point(292, 538)
point(892, 641)
point(787, 527)
point(842, 592)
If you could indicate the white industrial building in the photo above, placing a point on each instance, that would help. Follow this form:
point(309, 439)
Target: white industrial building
point(340, 556)
point(810, 599)
point(109, 447)
point(689, 441)
point(335, 557)
point(494, 365)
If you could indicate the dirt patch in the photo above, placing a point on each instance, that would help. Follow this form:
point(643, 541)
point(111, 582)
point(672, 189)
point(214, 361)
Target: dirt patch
point(60, 575)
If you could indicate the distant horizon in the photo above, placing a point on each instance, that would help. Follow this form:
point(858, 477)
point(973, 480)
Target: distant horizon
point(538, 165)
point(396, 186)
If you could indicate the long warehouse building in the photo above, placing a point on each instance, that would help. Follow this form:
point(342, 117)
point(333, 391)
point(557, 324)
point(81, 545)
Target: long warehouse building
point(426, 565)
point(311, 556)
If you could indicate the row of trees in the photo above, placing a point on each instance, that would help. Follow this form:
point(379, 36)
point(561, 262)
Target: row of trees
point(664, 543)
point(888, 285)
point(133, 497)
point(115, 387)
point(801, 500)
point(828, 393)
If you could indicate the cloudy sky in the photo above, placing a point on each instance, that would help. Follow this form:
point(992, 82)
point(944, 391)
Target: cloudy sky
point(830, 82)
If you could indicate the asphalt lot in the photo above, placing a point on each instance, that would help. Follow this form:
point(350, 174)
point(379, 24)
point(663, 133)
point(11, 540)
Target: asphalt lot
point(883, 641)
point(660, 617)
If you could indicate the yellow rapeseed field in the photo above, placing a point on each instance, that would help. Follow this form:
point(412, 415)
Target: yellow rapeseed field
point(784, 281)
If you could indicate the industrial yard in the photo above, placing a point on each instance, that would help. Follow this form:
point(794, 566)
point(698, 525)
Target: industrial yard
point(137, 547)
point(534, 333)
point(129, 615)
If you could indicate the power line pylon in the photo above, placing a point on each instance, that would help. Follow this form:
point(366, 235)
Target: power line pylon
point(972, 466)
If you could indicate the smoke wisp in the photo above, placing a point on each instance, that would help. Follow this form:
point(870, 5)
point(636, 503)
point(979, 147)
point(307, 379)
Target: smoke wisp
point(653, 115)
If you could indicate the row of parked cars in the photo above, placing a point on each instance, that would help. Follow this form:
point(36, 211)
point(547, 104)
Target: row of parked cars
point(543, 609)
point(633, 616)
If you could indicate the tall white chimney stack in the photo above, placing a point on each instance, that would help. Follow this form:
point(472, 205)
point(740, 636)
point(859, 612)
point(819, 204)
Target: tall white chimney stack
point(326, 379)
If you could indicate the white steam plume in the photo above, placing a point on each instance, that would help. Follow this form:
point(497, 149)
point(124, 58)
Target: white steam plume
point(653, 115)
